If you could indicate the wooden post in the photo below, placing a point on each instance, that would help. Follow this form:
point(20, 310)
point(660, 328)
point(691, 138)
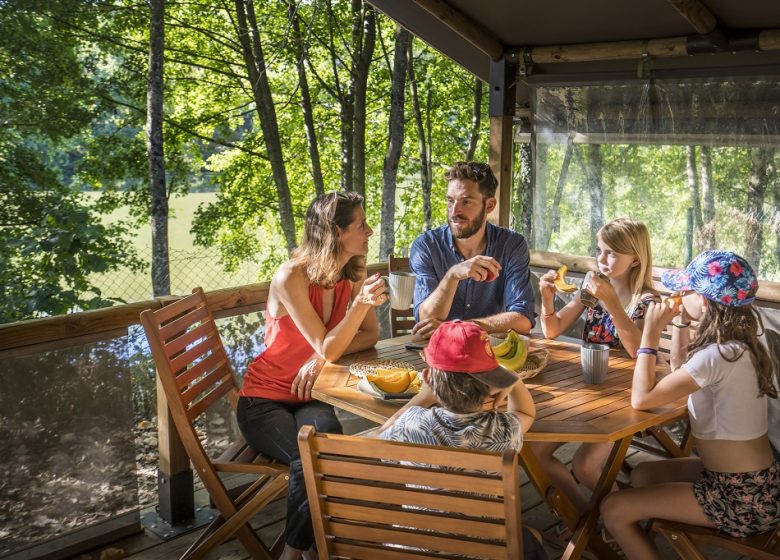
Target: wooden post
point(176, 501)
point(502, 110)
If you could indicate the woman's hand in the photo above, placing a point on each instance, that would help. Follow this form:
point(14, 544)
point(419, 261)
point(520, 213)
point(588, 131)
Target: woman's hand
point(373, 291)
point(304, 379)
point(547, 283)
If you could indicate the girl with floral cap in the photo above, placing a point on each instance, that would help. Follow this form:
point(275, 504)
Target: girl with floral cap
point(624, 291)
point(726, 373)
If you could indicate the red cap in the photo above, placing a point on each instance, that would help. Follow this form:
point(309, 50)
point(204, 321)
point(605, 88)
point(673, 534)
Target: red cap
point(462, 347)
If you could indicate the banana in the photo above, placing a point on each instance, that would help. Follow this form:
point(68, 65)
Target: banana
point(515, 358)
point(560, 281)
point(504, 347)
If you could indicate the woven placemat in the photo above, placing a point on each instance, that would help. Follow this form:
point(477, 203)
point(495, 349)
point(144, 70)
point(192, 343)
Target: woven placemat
point(361, 369)
point(534, 363)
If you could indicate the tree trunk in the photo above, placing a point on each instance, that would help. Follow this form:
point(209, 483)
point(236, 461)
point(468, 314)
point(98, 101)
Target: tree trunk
point(555, 211)
point(254, 60)
point(425, 164)
point(524, 195)
point(760, 177)
point(596, 189)
point(395, 142)
point(540, 196)
point(364, 41)
point(476, 120)
point(693, 188)
point(708, 238)
point(300, 52)
point(161, 272)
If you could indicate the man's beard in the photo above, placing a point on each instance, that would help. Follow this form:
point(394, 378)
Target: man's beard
point(472, 227)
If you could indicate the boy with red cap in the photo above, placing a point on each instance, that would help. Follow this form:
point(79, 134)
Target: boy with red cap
point(463, 374)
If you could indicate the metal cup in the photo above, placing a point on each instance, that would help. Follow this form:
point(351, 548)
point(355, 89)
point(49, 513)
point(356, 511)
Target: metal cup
point(588, 299)
point(595, 362)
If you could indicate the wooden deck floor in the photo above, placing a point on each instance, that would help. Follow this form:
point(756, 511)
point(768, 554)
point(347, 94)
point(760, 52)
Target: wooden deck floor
point(536, 514)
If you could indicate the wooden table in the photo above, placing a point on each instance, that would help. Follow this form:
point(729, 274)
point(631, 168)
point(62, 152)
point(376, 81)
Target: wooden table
point(568, 410)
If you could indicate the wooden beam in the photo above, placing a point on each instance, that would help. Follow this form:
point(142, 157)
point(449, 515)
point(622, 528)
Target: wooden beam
point(500, 158)
point(697, 14)
point(617, 50)
point(503, 95)
point(769, 40)
point(463, 26)
point(766, 40)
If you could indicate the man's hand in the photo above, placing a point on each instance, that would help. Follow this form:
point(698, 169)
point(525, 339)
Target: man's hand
point(480, 268)
point(304, 380)
point(425, 328)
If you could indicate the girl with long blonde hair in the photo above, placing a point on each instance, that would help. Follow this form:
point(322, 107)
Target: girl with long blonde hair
point(624, 291)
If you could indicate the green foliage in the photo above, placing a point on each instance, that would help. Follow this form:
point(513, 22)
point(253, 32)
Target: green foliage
point(51, 242)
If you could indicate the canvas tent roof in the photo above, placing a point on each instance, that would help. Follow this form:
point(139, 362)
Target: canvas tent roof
point(510, 25)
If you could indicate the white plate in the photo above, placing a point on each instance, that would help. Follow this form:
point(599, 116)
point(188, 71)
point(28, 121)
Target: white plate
point(365, 387)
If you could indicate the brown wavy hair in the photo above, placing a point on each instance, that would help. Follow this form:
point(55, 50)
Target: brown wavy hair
point(457, 392)
point(475, 171)
point(320, 250)
point(721, 324)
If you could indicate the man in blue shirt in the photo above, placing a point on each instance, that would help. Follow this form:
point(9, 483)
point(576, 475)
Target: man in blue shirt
point(471, 269)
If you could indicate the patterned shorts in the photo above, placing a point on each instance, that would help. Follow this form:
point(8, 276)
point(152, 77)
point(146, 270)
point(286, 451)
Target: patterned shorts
point(741, 504)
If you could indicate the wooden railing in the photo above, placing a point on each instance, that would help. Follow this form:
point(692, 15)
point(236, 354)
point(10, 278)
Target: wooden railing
point(76, 328)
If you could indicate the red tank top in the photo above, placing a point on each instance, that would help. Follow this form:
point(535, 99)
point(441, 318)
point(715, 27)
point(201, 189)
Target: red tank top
point(270, 375)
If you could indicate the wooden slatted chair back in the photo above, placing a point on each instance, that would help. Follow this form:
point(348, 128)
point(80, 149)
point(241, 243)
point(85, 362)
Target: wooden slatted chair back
point(195, 375)
point(401, 321)
point(688, 539)
point(371, 498)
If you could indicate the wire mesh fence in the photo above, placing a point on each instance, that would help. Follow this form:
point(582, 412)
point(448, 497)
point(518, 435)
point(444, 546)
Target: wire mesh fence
point(188, 269)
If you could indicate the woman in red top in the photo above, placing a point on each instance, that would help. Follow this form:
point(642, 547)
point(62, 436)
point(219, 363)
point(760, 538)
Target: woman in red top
point(320, 306)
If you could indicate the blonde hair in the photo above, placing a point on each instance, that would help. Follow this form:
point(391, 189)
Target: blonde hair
point(320, 249)
point(721, 324)
point(631, 237)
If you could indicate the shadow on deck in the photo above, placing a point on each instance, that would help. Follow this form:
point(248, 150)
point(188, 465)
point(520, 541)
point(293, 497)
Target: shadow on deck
point(146, 546)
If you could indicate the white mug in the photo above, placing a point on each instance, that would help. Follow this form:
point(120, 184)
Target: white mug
point(401, 288)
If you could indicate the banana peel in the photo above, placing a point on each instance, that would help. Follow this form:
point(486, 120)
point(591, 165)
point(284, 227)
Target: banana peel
point(560, 281)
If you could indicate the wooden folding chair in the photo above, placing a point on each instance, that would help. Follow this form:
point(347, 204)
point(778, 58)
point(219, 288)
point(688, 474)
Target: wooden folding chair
point(686, 540)
point(401, 320)
point(376, 499)
point(195, 374)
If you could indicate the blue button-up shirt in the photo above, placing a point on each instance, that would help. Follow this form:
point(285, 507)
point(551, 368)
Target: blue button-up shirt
point(433, 253)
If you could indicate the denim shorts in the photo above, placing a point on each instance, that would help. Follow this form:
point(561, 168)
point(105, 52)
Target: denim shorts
point(741, 504)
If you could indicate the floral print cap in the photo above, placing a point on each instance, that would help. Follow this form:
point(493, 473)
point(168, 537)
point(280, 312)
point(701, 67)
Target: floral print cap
point(720, 276)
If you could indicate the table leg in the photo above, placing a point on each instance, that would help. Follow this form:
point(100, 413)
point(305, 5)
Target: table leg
point(585, 534)
point(559, 502)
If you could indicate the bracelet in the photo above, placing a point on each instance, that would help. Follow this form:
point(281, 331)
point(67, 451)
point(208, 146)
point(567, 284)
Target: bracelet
point(645, 350)
point(681, 325)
